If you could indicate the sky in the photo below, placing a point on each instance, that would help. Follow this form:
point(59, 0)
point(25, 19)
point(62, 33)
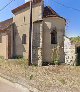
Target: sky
point(72, 16)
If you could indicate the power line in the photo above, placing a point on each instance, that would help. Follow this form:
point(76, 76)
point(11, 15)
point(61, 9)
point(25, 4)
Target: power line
point(6, 5)
point(66, 6)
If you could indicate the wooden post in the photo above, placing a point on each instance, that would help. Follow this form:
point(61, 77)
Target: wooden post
point(30, 35)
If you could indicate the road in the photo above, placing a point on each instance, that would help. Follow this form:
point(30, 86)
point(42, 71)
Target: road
point(6, 86)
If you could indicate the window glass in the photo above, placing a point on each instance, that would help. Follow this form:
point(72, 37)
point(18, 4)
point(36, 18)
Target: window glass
point(53, 37)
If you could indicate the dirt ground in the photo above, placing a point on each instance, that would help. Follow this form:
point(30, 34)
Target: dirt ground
point(61, 78)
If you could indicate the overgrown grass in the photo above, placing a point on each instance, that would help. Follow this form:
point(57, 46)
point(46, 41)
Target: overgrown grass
point(14, 62)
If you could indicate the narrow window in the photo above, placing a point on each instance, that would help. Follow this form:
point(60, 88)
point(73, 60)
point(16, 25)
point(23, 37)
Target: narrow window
point(0, 38)
point(24, 39)
point(53, 37)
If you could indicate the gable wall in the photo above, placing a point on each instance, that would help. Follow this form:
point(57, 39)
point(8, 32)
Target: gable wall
point(22, 27)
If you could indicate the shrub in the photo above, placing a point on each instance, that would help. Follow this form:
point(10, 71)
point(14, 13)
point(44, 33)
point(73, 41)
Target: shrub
point(56, 62)
point(56, 55)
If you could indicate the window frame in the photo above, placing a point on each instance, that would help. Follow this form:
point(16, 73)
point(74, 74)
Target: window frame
point(24, 39)
point(53, 37)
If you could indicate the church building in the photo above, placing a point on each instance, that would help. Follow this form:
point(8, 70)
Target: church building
point(48, 29)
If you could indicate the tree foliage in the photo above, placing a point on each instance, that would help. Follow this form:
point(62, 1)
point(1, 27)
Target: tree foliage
point(75, 39)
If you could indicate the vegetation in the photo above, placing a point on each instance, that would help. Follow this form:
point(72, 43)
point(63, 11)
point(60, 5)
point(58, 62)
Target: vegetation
point(75, 39)
point(1, 57)
point(62, 81)
point(31, 76)
point(56, 55)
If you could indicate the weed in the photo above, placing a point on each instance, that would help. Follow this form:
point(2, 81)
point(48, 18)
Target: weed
point(62, 81)
point(31, 76)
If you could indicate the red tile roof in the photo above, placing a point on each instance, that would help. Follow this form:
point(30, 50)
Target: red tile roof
point(25, 6)
point(49, 12)
point(5, 24)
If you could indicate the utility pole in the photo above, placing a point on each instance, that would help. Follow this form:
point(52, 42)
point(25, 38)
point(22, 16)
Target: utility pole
point(30, 35)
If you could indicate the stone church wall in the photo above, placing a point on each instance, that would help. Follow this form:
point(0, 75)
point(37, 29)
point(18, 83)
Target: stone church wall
point(49, 24)
point(37, 43)
point(22, 27)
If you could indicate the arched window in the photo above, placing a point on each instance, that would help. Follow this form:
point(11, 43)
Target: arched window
point(53, 37)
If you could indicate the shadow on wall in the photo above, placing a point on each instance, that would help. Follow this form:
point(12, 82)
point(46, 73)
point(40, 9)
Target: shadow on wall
point(78, 56)
point(18, 47)
point(36, 41)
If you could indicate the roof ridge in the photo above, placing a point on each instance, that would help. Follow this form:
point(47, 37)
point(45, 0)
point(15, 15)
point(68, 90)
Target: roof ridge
point(23, 6)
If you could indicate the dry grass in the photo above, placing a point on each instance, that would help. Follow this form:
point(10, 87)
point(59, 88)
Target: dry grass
point(45, 78)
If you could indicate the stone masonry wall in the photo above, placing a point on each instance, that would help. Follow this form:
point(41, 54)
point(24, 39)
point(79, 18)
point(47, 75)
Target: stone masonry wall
point(49, 24)
point(22, 27)
point(37, 43)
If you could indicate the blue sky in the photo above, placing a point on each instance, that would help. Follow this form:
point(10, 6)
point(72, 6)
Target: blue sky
point(72, 16)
